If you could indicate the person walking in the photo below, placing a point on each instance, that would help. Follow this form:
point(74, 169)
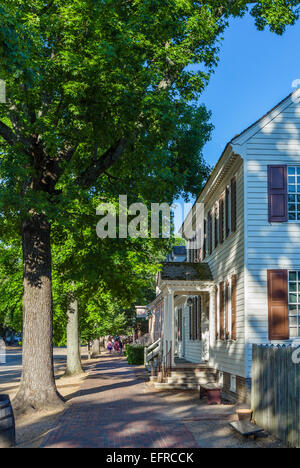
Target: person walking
point(109, 345)
point(117, 346)
point(121, 346)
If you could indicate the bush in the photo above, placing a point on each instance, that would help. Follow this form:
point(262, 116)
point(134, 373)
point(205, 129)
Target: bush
point(135, 354)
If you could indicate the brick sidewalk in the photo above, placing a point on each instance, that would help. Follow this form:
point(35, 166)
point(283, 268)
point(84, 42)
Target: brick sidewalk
point(112, 410)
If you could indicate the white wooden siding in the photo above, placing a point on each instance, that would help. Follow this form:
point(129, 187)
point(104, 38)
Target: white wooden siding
point(228, 259)
point(269, 246)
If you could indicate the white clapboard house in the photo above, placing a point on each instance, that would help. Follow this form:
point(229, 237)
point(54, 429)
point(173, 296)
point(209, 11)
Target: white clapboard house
point(243, 285)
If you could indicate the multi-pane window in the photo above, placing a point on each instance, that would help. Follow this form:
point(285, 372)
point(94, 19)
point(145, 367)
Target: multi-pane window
point(294, 303)
point(195, 319)
point(294, 193)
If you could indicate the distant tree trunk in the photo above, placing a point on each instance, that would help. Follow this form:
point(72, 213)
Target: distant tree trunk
point(89, 349)
point(96, 348)
point(74, 366)
point(37, 388)
point(103, 340)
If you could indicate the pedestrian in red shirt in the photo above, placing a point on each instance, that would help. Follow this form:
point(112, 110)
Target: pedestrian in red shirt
point(117, 346)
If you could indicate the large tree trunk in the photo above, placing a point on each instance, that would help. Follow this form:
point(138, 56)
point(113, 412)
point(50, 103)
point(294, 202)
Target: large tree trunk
point(37, 388)
point(74, 366)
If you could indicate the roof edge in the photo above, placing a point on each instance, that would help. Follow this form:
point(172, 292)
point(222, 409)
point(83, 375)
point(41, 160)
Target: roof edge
point(242, 137)
point(246, 134)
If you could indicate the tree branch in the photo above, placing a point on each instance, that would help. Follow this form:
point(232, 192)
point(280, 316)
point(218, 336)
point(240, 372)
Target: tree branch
point(8, 134)
point(110, 176)
point(67, 153)
point(101, 165)
point(113, 154)
point(172, 74)
point(46, 8)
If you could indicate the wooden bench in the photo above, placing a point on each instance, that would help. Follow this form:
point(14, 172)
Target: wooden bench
point(213, 393)
point(246, 428)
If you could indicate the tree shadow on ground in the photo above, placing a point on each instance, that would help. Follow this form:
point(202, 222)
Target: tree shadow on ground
point(124, 414)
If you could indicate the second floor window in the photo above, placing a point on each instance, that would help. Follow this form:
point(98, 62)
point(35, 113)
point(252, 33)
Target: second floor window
point(221, 220)
point(294, 193)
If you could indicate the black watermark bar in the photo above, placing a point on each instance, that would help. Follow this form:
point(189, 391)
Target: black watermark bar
point(145, 457)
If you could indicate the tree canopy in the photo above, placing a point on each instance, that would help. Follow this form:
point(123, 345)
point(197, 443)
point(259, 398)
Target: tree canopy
point(102, 96)
point(93, 85)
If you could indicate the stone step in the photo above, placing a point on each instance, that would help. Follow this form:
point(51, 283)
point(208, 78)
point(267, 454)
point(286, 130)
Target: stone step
point(200, 380)
point(190, 368)
point(194, 370)
point(166, 386)
point(194, 375)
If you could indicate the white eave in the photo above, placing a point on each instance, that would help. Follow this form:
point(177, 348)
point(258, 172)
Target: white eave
point(155, 301)
point(219, 172)
point(266, 119)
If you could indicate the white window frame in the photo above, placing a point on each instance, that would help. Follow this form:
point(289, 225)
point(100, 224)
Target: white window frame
point(296, 193)
point(233, 383)
point(297, 303)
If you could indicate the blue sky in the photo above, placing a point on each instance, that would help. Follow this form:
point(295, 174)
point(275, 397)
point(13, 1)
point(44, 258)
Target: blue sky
point(255, 72)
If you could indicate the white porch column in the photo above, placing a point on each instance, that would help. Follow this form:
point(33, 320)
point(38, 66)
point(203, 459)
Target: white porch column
point(165, 326)
point(212, 326)
point(171, 327)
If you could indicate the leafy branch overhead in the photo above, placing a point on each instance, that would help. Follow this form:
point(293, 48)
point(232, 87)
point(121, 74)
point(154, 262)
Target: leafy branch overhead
point(92, 86)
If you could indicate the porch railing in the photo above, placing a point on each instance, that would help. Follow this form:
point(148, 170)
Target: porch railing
point(161, 366)
point(152, 351)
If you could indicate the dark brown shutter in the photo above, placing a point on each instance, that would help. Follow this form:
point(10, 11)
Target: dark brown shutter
point(180, 325)
point(222, 330)
point(216, 313)
point(221, 220)
point(227, 310)
point(204, 239)
point(193, 319)
point(190, 322)
point(199, 318)
point(233, 306)
point(227, 230)
point(278, 305)
point(277, 194)
point(196, 318)
point(209, 233)
point(233, 204)
point(216, 228)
